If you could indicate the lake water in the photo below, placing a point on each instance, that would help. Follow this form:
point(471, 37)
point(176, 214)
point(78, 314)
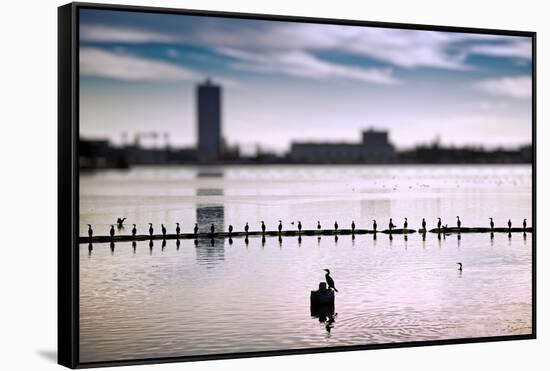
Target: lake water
point(212, 298)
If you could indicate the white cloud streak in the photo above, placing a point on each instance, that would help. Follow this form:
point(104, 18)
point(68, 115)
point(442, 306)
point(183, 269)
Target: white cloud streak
point(518, 87)
point(104, 33)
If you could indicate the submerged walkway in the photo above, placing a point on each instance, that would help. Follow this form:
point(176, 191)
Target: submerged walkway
point(308, 232)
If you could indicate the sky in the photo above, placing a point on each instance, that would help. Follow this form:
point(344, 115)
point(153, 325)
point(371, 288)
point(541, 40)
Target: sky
point(289, 81)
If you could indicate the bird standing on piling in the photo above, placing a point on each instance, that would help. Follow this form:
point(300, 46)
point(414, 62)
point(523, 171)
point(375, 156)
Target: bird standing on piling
point(246, 228)
point(134, 230)
point(112, 232)
point(492, 223)
point(163, 228)
point(263, 227)
point(120, 222)
point(280, 226)
point(424, 224)
point(459, 266)
point(91, 231)
point(406, 224)
point(335, 226)
point(352, 226)
point(318, 225)
point(178, 230)
point(230, 229)
point(151, 229)
point(458, 222)
point(524, 224)
point(196, 229)
point(509, 223)
point(438, 223)
point(299, 226)
point(374, 225)
point(330, 281)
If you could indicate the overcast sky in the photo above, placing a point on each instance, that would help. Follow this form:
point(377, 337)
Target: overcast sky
point(286, 81)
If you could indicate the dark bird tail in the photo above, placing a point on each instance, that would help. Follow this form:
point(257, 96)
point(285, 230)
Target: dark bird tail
point(335, 289)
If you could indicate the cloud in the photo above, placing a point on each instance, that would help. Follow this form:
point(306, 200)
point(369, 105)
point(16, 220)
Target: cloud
point(518, 87)
point(104, 33)
point(516, 49)
point(302, 64)
point(121, 66)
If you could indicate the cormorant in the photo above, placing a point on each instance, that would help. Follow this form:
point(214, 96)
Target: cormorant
point(524, 224)
point(459, 266)
point(318, 225)
point(406, 224)
point(263, 227)
point(391, 224)
point(458, 222)
point(424, 224)
point(196, 229)
point(134, 230)
point(492, 223)
point(178, 230)
point(246, 228)
point(230, 229)
point(330, 281)
point(280, 226)
point(112, 232)
point(352, 226)
point(438, 223)
point(151, 229)
point(212, 228)
point(120, 222)
point(91, 231)
point(509, 224)
point(163, 230)
point(299, 226)
point(335, 225)
point(374, 225)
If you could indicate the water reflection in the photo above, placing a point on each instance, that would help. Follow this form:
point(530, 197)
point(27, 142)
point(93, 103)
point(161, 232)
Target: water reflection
point(210, 213)
point(134, 244)
point(325, 314)
point(178, 243)
point(112, 246)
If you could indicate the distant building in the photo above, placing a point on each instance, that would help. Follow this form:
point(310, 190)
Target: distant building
point(374, 148)
point(209, 122)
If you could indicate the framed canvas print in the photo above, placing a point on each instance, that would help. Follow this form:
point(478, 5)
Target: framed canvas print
point(236, 185)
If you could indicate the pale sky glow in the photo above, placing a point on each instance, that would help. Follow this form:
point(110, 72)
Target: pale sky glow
point(286, 81)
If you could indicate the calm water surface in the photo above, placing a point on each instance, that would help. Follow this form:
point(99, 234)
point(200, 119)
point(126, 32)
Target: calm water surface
point(217, 297)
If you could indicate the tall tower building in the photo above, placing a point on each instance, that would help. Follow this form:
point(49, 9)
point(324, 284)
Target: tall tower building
point(209, 121)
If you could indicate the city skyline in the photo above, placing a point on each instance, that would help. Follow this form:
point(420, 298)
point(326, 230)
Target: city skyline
point(301, 82)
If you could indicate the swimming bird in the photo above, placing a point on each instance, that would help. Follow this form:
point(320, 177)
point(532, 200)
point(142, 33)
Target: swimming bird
point(335, 225)
point(212, 228)
point(230, 230)
point(459, 266)
point(391, 225)
point(263, 227)
point(246, 228)
point(178, 230)
point(374, 225)
point(406, 224)
point(458, 222)
point(299, 226)
point(524, 224)
point(151, 229)
point(134, 230)
point(196, 229)
point(509, 223)
point(112, 232)
point(492, 223)
point(352, 226)
point(438, 223)
point(330, 281)
point(280, 226)
point(318, 225)
point(424, 224)
point(91, 231)
point(163, 228)
point(120, 222)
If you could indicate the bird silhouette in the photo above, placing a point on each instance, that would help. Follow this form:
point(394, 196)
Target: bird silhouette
point(134, 230)
point(330, 281)
point(230, 230)
point(423, 224)
point(391, 225)
point(151, 229)
point(263, 227)
point(374, 225)
point(406, 224)
point(212, 229)
point(524, 223)
point(178, 230)
point(492, 223)
point(509, 224)
point(335, 225)
point(120, 222)
point(318, 225)
point(246, 228)
point(458, 222)
point(196, 229)
point(280, 226)
point(90, 231)
point(163, 228)
point(112, 232)
point(353, 226)
point(299, 226)
point(459, 266)
point(438, 223)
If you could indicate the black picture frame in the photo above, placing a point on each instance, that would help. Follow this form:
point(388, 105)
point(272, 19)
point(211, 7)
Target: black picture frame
point(68, 185)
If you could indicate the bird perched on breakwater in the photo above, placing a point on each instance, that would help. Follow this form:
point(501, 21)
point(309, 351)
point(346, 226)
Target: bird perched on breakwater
point(212, 228)
point(120, 222)
point(330, 281)
point(318, 225)
point(263, 227)
point(524, 224)
point(406, 224)
point(151, 229)
point(91, 231)
point(112, 232)
point(391, 225)
point(438, 223)
point(178, 230)
point(134, 230)
point(374, 225)
point(424, 224)
point(492, 223)
point(509, 223)
point(458, 222)
point(230, 230)
point(299, 226)
point(280, 226)
point(163, 228)
point(459, 266)
point(352, 226)
point(196, 229)
point(246, 227)
point(335, 225)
